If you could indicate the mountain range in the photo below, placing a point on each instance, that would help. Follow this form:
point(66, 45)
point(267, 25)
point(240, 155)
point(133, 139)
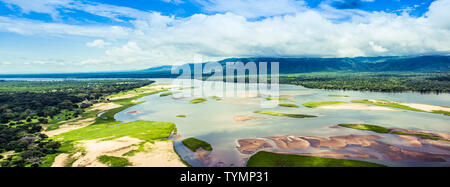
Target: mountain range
point(286, 66)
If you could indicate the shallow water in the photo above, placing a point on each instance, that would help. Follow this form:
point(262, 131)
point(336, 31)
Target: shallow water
point(213, 122)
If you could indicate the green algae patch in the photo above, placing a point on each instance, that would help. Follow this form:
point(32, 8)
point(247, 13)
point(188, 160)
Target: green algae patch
point(181, 116)
point(267, 159)
point(198, 100)
point(288, 105)
point(367, 127)
point(113, 161)
point(322, 103)
point(284, 114)
point(193, 144)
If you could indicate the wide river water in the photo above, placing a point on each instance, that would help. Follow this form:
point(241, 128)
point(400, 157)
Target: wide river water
point(212, 121)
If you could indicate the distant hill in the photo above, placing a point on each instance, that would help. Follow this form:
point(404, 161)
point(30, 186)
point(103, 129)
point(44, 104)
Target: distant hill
point(287, 66)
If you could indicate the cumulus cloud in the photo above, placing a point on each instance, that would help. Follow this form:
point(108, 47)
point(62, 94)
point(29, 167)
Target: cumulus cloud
point(168, 40)
point(98, 43)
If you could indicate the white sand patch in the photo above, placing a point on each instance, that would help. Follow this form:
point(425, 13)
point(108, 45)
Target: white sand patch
point(61, 160)
point(6, 154)
point(355, 106)
point(96, 148)
point(245, 118)
point(104, 106)
point(69, 127)
point(160, 154)
point(157, 154)
point(425, 107)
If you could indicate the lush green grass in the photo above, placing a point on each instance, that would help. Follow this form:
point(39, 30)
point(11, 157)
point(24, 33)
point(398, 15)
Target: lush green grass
point(193, 144)
point(275, 98)
point(181, 116)
point(165, 94)
point(367, 127)
point(198, 100)
point(338, 96)
point(288, 105)
point(388, 104)
point(322, 103)
point(284, 114)
point(144, 130)
point(267, 159)
point(441, 112)
point(380, 129)
point(113, 161)
point(108, 116)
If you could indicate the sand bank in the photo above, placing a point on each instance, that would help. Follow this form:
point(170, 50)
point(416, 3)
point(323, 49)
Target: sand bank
point(355, 106)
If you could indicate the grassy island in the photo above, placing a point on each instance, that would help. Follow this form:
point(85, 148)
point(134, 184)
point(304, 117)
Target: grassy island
point(380, 129)
point(322, 103)
point(288, 105)
point(198, 100)
point(193, 144)
point(284, 114)
point(267, 159)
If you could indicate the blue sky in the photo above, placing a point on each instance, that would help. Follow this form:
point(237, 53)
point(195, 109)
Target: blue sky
point(38, 36)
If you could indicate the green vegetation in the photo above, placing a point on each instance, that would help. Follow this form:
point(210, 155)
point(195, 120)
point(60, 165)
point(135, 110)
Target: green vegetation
point(113, 161)
point(367, 127)
point(284, 114)
point(193, 144)
point(388, 104)
point(198, 100)
point(441, 112)
point(54, 101)
point(144, 130)
point(288, 105)
point(322, 103)
point(373, 81)
point(338, 96)
point(267, 159)
point(181, 116)
point(108, 116)
point(167, 94)
point(216, 98)
point(380, 129)
point(275, 98)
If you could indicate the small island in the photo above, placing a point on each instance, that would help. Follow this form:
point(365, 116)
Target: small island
point(284, 114)
point(198, 100)
point(268, 159)
point(194, 144)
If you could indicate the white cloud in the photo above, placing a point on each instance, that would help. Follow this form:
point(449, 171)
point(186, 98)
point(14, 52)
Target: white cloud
point(98, 43)
point(253, 8)
point(40, 6)
point(294, 31)
point(6, 63)
point(31, 27)
point(173, 1)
